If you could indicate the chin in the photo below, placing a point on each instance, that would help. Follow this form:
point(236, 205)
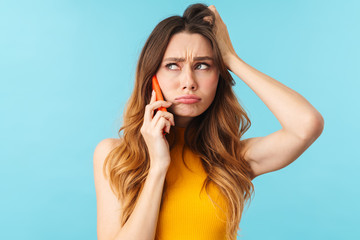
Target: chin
point(187, 111)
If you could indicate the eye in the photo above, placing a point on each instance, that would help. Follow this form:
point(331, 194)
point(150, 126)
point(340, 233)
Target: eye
point(171, 66)
point(202, 66)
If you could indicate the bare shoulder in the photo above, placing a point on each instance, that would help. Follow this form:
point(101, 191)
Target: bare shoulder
point(108, 205)
point(104, 147)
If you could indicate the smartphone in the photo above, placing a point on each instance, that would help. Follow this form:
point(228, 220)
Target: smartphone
point(159, 96)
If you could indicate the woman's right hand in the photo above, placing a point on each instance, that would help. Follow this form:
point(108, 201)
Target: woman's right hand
point(152, 132)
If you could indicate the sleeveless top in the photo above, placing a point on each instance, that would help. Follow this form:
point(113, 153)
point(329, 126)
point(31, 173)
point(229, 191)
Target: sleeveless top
point(186, 212)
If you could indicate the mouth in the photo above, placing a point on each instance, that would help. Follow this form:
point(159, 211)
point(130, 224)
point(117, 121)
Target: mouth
point(188, 99)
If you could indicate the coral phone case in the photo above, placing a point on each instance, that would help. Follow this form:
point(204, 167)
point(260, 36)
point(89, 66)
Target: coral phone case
point(159, 96)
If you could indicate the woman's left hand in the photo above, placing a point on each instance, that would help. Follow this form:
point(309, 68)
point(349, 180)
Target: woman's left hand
point(222, 37)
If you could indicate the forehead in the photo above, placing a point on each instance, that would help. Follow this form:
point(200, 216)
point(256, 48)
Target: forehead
point(188, 45)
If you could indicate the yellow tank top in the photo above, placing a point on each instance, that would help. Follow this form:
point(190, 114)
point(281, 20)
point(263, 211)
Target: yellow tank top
point(187, 213)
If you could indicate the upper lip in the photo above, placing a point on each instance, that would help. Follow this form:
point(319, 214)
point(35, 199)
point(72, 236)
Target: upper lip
point(190, 96)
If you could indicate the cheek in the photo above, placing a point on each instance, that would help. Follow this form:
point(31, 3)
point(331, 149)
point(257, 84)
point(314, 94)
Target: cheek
point(211, 84)
point(166, 87)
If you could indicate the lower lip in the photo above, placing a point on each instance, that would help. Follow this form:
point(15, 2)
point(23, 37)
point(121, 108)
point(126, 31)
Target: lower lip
point(188, 101)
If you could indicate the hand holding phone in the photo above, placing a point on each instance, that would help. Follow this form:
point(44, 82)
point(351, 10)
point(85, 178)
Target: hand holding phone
point(154, 127)
point(159, 96)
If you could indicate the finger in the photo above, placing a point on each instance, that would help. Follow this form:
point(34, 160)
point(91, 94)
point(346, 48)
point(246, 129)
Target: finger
point(163, 125)
point(168, 126)
point(170, 117)
point(160, 103)
point(149, 112)
point(160, 114)
point(153, 97)
point(150, 109)
point(208, 19)
point(213, 9)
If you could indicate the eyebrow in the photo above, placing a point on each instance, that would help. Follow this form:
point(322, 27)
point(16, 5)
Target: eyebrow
point(175, 59)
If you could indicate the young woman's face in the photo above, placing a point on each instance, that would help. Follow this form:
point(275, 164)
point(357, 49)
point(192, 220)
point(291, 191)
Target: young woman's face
point(188, 68)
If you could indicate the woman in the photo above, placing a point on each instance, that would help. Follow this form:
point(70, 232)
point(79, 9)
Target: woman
point(194, 182)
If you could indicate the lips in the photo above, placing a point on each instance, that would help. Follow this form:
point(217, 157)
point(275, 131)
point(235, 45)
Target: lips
point(188, 99)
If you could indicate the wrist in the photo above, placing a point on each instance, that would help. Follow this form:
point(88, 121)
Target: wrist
point(230, 60)
point(158, 170)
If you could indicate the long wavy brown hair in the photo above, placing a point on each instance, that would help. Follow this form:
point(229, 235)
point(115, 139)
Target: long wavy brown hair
point(214, 135)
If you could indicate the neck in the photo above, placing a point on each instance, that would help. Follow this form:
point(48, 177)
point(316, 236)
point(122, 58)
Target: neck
point(182, 122)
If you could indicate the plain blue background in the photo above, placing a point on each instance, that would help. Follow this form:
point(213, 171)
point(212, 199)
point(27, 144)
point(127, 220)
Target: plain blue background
point(67, 69)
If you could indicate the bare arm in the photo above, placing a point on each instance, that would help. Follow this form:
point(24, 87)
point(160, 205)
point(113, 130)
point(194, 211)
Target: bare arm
point(141, 225)
point(143, 220)
point(301, 123)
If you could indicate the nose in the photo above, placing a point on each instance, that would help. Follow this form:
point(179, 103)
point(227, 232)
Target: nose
point(188, 80)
